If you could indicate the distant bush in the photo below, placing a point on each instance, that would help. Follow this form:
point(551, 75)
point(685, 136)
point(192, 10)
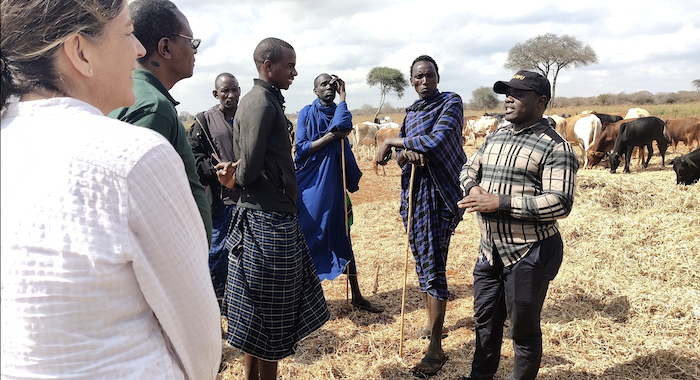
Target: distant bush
point(387, 108)
point(638, 98)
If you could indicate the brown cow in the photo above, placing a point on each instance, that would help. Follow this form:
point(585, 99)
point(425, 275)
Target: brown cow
point(686, 130)
point(560, 122)
point(379, 138)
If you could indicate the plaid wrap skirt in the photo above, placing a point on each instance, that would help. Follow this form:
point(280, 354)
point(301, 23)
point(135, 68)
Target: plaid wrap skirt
point(433, 225)
point(274, 298)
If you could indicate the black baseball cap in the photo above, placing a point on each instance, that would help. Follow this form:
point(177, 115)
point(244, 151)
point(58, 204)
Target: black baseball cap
point(525, 80)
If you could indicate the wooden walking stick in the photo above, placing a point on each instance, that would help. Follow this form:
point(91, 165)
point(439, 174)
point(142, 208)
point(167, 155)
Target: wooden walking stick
point(345, 216)
point(408, 249)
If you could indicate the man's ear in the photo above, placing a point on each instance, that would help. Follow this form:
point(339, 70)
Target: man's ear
point(267, 66)
point(214, 92)
point(265, 69)
point(164, 48)
point(80, 53)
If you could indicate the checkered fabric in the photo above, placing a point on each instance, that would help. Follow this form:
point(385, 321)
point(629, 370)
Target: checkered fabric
point(274, 298)
point(432, 227)
point(433, 127)
point(534, 173)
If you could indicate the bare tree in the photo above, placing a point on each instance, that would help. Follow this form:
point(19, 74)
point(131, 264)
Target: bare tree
point(696, 84)
point(549, 53)
point(390, 80)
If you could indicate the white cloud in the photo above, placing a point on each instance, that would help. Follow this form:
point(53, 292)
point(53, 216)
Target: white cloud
point(651, 45)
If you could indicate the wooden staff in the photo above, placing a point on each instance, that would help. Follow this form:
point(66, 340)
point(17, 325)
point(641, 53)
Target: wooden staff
point(408, 249)
point(345, 216)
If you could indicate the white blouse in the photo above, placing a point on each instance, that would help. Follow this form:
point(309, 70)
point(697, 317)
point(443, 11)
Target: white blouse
point(104, 253)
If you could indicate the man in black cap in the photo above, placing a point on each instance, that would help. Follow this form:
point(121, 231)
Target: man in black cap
point(520, 181)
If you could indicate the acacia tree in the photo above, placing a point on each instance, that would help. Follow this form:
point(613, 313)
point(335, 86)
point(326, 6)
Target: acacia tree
point(484, 98)
point(549, 53)
point(389, 80)
point(696, 84)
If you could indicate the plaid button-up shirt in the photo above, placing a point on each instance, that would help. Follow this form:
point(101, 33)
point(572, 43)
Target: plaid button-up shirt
point(533, 171)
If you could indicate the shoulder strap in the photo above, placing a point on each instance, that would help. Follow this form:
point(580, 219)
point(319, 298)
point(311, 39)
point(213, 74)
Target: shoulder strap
point(205, 129)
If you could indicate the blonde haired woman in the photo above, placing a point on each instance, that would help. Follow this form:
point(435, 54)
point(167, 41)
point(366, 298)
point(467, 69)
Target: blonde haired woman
point(104, 254)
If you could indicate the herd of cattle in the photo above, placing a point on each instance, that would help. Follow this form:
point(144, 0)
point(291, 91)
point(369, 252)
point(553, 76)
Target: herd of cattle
point(602, 138)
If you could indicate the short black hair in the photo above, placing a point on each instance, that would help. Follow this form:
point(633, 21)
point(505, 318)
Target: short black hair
point(153, 20)
point(424, 58)
point(269, 49)
point(318, 78)
point(223, 75)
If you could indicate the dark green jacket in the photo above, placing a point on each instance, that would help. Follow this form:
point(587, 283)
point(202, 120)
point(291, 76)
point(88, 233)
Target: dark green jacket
point(155, 109)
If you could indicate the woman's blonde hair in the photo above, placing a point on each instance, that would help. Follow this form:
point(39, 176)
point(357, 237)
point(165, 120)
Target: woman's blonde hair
point(33, 32)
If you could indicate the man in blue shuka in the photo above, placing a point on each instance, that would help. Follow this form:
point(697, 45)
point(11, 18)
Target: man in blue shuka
point(321, 145)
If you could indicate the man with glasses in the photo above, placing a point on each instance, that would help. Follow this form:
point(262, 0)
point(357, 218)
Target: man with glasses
point(170, 48)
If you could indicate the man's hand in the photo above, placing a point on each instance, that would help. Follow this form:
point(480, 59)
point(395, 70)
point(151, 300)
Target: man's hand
point(338, 134)
point(226, 173)
point(382, 153)
point(339, 86)
point(414, 157)
point(479, 200)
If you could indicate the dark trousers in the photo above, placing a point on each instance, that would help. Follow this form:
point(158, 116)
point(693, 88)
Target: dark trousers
point(517, 292)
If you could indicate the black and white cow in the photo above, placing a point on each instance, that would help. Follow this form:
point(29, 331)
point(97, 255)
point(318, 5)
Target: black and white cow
point(639, 132)
point(687, 168)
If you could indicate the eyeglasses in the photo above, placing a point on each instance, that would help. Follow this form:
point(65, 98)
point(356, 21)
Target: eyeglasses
point(194, 41)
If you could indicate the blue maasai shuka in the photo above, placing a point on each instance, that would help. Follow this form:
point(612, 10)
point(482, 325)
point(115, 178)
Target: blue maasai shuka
point(218, 254)
point(433, 127)
point(322, 197)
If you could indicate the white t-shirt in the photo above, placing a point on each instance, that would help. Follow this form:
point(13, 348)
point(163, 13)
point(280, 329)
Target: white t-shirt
point(104, 253)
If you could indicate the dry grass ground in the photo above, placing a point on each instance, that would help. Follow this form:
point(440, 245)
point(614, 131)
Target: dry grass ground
point(625, 305)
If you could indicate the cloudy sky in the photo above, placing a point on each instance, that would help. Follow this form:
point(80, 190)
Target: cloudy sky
point(642, 45)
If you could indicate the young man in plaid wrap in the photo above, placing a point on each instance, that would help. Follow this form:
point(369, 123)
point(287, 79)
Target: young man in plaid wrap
point(431, 141)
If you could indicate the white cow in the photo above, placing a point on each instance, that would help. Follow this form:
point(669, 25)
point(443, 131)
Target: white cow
point(481, 127)
point(364, 136)
point(388, 124)
point(633, 113)
point(587, 129)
